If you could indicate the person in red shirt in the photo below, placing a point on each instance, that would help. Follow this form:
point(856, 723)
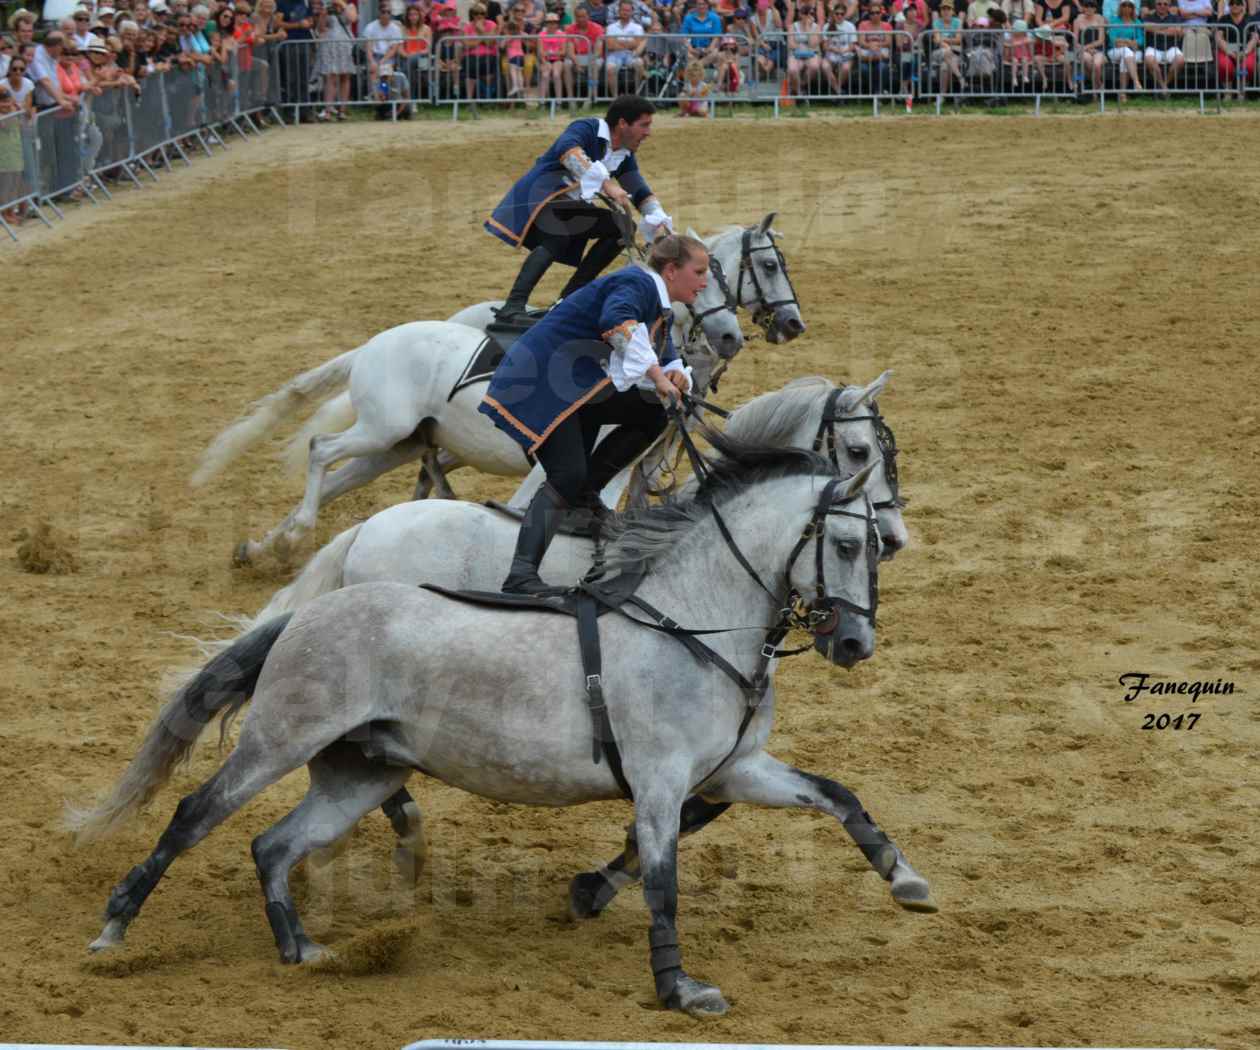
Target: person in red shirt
point(587, 48)
point(874, 47)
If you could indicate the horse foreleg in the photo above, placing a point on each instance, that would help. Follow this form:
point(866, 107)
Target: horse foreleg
point(766, 781)
point(590, 892)
point(657, 824)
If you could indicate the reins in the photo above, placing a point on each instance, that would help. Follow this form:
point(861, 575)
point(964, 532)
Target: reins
point(816, 615)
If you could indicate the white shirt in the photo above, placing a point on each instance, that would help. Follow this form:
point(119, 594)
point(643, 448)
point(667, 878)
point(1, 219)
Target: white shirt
point(43, 67)
point(382, 37)
point(20, 92)
point(628, 366)
point(631, 28)
point(601, 171)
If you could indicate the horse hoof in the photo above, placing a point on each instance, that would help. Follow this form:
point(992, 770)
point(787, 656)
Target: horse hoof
point(409, 860)
point(241, 556)
point(310, 952)
point(589, 894)
point(913, 894)
point(697, 999)
point(111, 936)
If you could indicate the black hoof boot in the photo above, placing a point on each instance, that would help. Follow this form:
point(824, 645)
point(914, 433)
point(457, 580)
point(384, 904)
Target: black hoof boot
point(589, 894)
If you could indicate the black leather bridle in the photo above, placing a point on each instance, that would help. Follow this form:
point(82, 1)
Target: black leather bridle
point(826, 437)
point(763, 315)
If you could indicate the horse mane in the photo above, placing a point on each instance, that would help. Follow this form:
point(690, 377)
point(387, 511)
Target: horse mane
point(644, 535)
point(770, 419)
point(726, 231)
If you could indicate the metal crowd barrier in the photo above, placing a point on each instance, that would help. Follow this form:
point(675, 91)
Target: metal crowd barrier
point(19, 170)
point(524, 70)
point(305, 69)
point(1193, 70)
point(989, 64)
point(125, 132)
point(874, 66)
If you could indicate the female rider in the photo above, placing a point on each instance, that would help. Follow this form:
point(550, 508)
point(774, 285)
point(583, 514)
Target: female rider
point(593, 361)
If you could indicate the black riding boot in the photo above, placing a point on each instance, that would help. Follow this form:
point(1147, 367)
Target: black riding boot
point(536, 264)
point(593, 263)
point(538, 529)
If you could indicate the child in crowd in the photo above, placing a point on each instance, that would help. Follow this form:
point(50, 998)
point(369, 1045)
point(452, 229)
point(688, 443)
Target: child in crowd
point(729, 78)
point(1021, 53)
point(693, 98)
point(11, 181)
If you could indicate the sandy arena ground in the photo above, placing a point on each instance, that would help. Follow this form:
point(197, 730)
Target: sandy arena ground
point(1069, 308)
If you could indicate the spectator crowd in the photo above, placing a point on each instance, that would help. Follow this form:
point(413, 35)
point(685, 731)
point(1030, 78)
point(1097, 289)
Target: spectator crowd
point(81, 75)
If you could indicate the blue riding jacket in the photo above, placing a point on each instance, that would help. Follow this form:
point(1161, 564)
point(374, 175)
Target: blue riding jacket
point(549, 179)
point(557, 366)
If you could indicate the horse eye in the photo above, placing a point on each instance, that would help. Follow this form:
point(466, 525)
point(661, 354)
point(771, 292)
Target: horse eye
point(770, 266)
point(858, 452)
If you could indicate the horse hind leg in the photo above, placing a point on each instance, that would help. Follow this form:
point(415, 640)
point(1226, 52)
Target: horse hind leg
point(344, 786)
point(367, 437)
point(408, 823)
point(237, 781)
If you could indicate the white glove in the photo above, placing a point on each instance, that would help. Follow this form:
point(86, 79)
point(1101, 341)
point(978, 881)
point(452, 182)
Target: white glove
point(655, 222)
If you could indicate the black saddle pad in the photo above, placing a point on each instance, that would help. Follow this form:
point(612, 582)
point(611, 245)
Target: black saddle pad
point(499, 339)
point(609, 595)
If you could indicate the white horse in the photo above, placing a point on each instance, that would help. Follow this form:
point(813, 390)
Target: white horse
point(455, 543)
point(466, 545)
point(370, 683)
point(762, 285)
point(408, 399)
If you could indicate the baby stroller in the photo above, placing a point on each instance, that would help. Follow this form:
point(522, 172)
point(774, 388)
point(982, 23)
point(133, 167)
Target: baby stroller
point(665, 64)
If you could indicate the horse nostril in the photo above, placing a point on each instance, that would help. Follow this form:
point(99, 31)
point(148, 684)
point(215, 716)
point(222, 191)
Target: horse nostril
point(852, 649)
point(728, 338)
point(795, 325)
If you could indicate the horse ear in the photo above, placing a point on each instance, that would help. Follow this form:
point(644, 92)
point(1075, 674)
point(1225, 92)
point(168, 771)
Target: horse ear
point(692, 233)
point(858, 482)
point(764, 228)
point(873, 391)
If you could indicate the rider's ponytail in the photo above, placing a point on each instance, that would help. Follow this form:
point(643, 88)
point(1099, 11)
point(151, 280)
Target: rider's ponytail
point(675, 248)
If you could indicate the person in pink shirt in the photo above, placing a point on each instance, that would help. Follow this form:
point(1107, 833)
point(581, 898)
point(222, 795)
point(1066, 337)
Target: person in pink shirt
point(553, 50)
point(874, 47)
point(480, 56)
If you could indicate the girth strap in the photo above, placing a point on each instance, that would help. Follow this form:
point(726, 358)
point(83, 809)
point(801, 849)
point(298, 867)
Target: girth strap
point(603, 740)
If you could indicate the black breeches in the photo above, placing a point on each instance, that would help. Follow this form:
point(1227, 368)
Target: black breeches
point(573, 469)
point(562, 222)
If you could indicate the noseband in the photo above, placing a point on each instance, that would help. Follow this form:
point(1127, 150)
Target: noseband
point(883, 435)
point(763, 315)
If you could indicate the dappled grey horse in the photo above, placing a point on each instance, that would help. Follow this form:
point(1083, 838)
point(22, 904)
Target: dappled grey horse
point(459, 544)
point(371, 682)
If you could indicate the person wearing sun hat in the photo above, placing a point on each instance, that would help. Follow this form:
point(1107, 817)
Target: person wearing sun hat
point(1127, 40)
point(947, 45)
